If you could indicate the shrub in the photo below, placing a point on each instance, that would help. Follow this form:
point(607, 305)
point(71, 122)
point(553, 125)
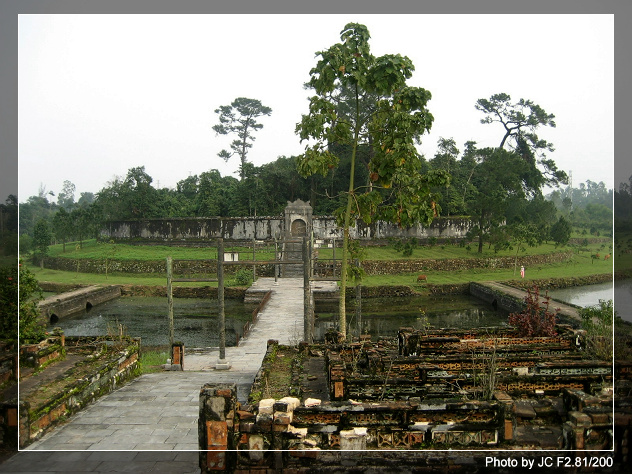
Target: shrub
point(536, 319)
point(30, 328)
point(597, 321)
point(243, 277)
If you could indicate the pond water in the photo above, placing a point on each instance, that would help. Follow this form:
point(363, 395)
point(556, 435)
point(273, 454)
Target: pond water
point(384, 316)
point(588, 295)
point(623, 299)
point(196, 321)
point(620, 292)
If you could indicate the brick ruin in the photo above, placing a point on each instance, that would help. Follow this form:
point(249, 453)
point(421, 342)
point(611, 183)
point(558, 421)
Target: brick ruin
point(425, 392)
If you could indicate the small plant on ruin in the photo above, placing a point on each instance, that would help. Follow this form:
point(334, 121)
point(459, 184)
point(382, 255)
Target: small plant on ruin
point(117, 333)
point(424, 323)
point(597, 321)
point(488, 378)
point(535, 319)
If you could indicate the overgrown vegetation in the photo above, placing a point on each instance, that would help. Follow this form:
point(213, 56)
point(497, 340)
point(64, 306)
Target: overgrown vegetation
point(152, 360)
point(20, 298)
point(536, 319)
point(281, 368)
point(598, 322)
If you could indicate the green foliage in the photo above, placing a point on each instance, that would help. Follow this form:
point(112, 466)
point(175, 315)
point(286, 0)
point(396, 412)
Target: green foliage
point(598, 322)
point(42, 238)
point(363, 100)
point(520, 121)
point(561, 231)
point(23, 295)
point(405, 246)
point(152, 361)
point(243, 277)
point(239, 118)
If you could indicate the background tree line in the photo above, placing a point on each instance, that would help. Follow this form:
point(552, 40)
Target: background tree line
point(501, 189)
point(265, 191)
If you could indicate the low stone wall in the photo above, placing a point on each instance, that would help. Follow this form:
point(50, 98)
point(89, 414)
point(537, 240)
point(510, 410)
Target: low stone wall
point(370, 267)
point(188, 268)
point(36, 355)
point(503, 300)
point(119, 367)
point(427, 266)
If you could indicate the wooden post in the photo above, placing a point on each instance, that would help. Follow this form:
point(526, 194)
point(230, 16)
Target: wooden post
point(170, 299)
point(307, 330)
point(333, 258)
point(220, 300)
point(358, 292)
point(254, 259)
point(276, 258)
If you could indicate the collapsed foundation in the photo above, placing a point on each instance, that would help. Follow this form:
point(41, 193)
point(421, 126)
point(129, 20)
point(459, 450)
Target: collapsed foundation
point(423, 391)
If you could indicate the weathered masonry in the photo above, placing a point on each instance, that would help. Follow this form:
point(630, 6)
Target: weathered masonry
point(485, 388)
point(82, 299)
point(297, 220)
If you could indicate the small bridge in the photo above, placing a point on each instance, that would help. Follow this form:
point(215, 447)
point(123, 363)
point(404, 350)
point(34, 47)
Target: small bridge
point(58, 306)
point(512, 299)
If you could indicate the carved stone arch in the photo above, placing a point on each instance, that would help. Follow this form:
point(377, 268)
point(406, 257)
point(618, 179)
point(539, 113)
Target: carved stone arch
point(298, 219)
point(298, 228)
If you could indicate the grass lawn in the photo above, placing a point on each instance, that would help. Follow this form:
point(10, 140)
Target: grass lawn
point(577, 268)
point(91, 249)
point(581, 264)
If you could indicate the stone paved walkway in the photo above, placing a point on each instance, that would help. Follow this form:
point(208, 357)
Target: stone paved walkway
point(159, 412)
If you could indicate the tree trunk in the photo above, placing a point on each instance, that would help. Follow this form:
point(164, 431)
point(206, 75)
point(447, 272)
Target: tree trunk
point(345, 241)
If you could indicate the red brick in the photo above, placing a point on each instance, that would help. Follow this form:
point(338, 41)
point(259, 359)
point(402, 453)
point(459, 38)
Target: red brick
point(215, 459)
point(224, 392)
point(339, 389)
point(508, 430)
point(216, 434)
point(600, 417)
point(12, 417)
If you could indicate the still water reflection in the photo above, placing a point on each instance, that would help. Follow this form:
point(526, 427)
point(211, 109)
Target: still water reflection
point(195, 320)
point(384, 316)
point(590, 295)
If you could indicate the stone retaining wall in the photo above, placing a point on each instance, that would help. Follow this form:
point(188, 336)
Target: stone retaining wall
point(427, 266)
point(371, 267)
point(78, 301)
point(188, 268)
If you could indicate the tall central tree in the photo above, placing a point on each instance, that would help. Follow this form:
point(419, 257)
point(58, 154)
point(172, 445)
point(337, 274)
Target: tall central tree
point(348, 72)
point(240, 118)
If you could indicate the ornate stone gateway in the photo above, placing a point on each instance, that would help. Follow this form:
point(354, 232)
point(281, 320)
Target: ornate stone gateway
point(297, 224)
point(298, 219)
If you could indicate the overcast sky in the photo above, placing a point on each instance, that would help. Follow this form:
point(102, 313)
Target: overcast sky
point(100, 94)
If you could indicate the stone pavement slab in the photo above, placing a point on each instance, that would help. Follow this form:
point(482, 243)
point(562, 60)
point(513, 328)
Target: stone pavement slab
point(102, 462)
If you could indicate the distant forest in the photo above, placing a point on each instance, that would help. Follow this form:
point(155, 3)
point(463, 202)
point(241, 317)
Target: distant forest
point(266, 190)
